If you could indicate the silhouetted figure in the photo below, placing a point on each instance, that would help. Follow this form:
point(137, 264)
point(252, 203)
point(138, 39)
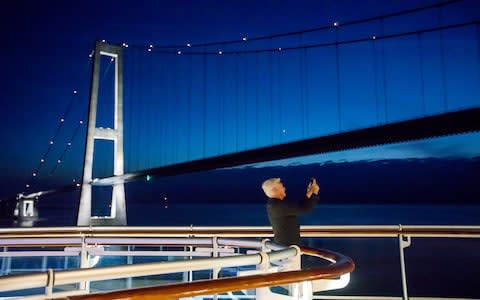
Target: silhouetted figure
point(283, 216)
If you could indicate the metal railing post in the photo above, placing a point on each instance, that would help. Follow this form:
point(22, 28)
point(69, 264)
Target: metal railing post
point(190, 272)
point(215, 270)
point(65, 263)
point(4, 263)
point(129, 262)
point(44, 263)
point(8, 265)
point(84, 263)
point(263, 293)
point(295, 263)
point(49, 287)
point(185, 274)
point(403, 243)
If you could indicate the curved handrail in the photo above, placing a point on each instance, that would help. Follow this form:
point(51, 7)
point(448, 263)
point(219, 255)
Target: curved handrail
point(341, 264)
point(36, 280)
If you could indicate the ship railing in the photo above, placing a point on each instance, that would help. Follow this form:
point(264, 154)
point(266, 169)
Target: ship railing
point(267, 257)
point(88, 244)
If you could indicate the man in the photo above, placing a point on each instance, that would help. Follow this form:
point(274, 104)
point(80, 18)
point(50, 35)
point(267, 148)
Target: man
point(283, 216)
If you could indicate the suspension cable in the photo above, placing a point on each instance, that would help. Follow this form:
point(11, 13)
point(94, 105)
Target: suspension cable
point(245, 97)
point(189, 106)
point(204, 107)
point(302, 88)
point(221, 91)
point(384, 72)
point(327, 44)
point(57, 132)
point(67, 146)
point(339, 96)
point(237, 106)
point(442, 57)
point(293, 33)
point(422, 76)
point(478, 52)
point(270, 108)
point(375, 79)
point(52, 141)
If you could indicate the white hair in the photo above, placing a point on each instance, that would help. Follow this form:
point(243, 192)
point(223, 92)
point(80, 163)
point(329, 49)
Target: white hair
point(268, 186)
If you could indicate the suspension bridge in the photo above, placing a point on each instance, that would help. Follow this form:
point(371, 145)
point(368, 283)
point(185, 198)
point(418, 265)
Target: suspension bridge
point(194, 107)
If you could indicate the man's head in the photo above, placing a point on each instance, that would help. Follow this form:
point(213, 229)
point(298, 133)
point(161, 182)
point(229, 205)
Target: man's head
point(274, 188)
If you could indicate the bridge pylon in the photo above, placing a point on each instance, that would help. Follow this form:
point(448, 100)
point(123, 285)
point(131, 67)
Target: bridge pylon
point(118, 215)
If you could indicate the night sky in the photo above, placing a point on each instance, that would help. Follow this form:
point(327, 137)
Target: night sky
point(184, 107)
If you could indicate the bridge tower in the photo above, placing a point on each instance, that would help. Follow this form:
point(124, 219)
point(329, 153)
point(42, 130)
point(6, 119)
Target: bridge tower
point(118, 214)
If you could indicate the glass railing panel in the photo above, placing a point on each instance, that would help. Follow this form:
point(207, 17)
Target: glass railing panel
point(21, 293)
point(377, 264)
point(443, 267)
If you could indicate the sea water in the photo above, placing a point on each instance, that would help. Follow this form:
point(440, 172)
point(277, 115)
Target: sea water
point(446, 267)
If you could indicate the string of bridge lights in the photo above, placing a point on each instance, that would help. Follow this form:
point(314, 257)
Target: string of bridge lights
point(187, 47)
point(52, 142)
point(151, 48)
point(68, 145)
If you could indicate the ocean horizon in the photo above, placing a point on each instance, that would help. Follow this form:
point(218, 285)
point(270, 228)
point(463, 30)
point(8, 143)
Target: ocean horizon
point(254, 214)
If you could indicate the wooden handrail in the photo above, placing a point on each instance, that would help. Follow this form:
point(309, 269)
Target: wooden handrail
point(341, 265)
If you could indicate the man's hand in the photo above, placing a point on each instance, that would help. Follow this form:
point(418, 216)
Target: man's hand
point(312, 188)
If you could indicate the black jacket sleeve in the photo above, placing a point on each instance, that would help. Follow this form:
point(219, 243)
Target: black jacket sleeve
point(299, 209)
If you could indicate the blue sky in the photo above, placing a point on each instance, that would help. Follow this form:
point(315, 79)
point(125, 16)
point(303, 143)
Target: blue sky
point(46, 59)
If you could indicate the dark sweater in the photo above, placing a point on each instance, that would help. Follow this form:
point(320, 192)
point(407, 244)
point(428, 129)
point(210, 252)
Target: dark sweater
point(283, 218)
